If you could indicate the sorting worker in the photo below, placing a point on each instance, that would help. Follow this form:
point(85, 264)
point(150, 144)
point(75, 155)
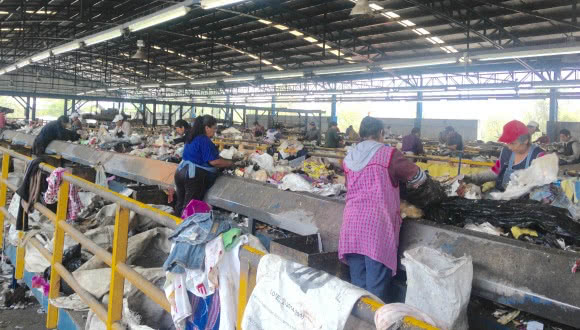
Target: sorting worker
point(258, 129)
point(369, 235)
point(332, 137)
point(454, 140)
point(533, 128)
point(516, 155)
point(313, 133)
point(412, 143)
point(198, 170)
point(181, 129)
point(122, 127)
point(351, 133)
point(55, 130)
point(571, 154)
point(76, 123)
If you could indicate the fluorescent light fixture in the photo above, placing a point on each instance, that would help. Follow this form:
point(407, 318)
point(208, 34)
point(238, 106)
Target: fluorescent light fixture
point(253, 56)
point(23, 63)
point(237, 79)
point(176, 83)
point(4, 13)
point(41, 56)
point(158, 18)
point(325, 46)
point(2, 71)
point(431, 41)
point(296, 33)
point(102, 37)
point(556, 84)
point(267, 62)
point(129, 87)
point(310, 39)
point(101, 90)
point(112, 89)
point(203, 82)
point(226, 73)
point(445, 50)
point(156, 47)
point(375, 6)
point(451, 49)
point(391, 14)
point(438, 40)
point(90, 92)
point(209, 4)
point(417, 63)
point(66, 48)
point(336, 52)
point(408, 23)
point(422, 31)
point(282, 75)
point(263, 21)
point(170, 51)
point(150, 86)
point(417, 32)
point(561, 49)
point(281, 27)
point(339, 70)
point(279, 68)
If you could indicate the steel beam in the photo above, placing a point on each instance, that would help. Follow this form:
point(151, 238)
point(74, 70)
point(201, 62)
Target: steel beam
point(419, 115)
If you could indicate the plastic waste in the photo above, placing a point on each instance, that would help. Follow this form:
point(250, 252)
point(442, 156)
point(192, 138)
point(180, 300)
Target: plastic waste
point(295, 182)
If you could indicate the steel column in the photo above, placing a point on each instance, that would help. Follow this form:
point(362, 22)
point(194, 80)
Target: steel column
point(73, 106)
point(65, 107)
point(333, 109)
point(27, 109)
point(553, 116)
point(34, 108)
point(170, 118)
point(419, 115)
point(154, 122)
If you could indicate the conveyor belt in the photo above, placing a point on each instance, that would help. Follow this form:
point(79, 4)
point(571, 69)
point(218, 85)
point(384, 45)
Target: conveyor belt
point(525, 276)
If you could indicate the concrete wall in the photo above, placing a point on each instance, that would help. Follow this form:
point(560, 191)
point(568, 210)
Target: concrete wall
point(573, 127)
point(288, 120)
point(430, 128)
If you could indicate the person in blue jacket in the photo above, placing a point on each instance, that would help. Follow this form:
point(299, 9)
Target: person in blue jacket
point(198, 170)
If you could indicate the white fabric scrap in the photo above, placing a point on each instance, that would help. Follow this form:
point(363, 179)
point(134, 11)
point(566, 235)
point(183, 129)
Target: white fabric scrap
point(292, 296)
point(391, 314)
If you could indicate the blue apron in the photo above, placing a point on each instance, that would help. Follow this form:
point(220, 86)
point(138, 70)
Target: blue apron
point(192, 166)
point(509, 170)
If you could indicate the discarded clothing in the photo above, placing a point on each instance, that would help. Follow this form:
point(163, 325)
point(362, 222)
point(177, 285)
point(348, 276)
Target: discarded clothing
point(178, 298)
point(190, 237)
point(206, 313)
point(214, 251)
point(29, 191)
point(51, 195)
point(230, 237)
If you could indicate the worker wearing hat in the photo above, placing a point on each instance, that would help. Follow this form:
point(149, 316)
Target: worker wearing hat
point(76, 123)
point(122, 127)
point(518, 154)
point(313, 133)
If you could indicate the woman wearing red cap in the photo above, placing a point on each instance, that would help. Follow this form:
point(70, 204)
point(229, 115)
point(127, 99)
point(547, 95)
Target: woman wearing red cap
point(516, 155)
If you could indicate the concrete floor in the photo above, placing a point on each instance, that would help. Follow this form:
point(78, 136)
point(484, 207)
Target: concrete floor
point(26, 319)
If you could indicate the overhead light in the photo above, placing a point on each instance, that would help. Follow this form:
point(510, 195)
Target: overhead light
point(112, 89)
point(252, 56)
point(445, 50)
point(375, 6)
point(237, 79)
point(101, 90)
point(407, 23)
point(266, 62)
point(336, 52)
point(556, 84)
point(560, 49)
point(128, 87)
point(263, 21)
point(102, 37)
point(90, 92)
point(150, 86)
point(391, 14)
point(417, 63)
point(66, 48)
point(277, 67)
point(361, 8)
point(23, 63)
point(209, 4)
point(158, 18)
point(2, 71)
point(176, 83)
point(281, 27)
point(41, 56)
point(310, 39)
point(437, 40)
point(421, 31)
point(10, 29)
point(282, 75)
point(346, 69)
point(4, 13)
point(325, 46)
point(203, 82)
point(296, 33)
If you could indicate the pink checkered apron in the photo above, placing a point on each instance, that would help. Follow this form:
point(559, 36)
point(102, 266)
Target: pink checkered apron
point(372, 217)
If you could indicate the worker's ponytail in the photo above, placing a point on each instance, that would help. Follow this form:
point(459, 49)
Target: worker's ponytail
point(199, 127)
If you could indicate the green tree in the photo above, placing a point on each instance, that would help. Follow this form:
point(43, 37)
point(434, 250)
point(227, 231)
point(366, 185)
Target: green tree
point(9, 102)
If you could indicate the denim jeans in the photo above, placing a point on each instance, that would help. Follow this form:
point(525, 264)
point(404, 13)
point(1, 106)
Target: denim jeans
point(370, 275)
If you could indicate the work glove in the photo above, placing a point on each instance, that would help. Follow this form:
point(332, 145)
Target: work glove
point(480, 178)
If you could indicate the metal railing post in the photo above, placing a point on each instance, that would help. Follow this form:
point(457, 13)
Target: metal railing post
point(116, 289)
point(57, 250)
point(3, 191)
point(20, 254)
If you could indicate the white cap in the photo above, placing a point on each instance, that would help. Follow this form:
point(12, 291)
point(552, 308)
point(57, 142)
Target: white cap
point(534, 124)
point(74, 115)
point(118, 118)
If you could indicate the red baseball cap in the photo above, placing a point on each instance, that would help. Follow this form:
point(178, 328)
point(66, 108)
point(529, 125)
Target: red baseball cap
point(512, 131)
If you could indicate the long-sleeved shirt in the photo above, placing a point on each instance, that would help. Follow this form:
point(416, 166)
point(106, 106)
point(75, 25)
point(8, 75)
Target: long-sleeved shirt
point(412, 143)
point(571, 152)
point(312, 134)
point(125, 128)
point(332, 138)
point(50, 132)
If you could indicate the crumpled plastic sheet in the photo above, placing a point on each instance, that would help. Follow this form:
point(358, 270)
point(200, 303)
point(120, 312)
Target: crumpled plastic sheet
point(231, 153)
point(506, 214)
point(295, 182)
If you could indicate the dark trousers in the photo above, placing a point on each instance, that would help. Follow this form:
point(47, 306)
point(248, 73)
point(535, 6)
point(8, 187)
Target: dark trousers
point(187, 188)
point(370, 275)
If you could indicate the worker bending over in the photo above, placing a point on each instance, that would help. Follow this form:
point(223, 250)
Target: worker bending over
point(454, 140)
point(55, 130)
point(516, 155)
point(412, 143)
point(122, 127)
point(181, 129)
point(313, 133)
point(571, 153)
point(198, 170)
point(332, 136)
point(369, 236)
point(76, 123)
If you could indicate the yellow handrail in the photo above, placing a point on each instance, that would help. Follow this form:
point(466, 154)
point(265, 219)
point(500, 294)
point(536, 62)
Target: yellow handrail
point(110, 315)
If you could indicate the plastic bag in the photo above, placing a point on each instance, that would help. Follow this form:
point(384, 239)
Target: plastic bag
point(439, 285)
point(295, 182)
point(264, 161)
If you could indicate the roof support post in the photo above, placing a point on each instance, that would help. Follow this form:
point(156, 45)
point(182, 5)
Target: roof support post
point(553, 114)
point(272, 113)
point(34, 107)
point(333, 117)
point(419, 115)
point(27, 109)
point(65, 107)
point(154, 121)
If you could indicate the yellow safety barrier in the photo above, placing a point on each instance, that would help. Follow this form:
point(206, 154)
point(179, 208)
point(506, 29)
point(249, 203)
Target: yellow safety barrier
point(110, 315)
point(364, 309)
point(445, 169)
